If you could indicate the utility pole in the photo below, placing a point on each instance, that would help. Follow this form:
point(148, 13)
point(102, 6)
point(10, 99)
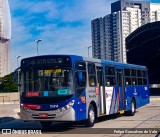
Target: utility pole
point(18, 70)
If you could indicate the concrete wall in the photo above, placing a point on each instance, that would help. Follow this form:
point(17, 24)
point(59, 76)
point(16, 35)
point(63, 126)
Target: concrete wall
point(9, 97)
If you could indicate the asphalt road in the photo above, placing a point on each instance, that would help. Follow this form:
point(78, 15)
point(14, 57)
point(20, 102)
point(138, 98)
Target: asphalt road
point(146, 118)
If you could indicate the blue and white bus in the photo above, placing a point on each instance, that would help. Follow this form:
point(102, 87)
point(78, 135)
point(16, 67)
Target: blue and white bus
point(75, 88)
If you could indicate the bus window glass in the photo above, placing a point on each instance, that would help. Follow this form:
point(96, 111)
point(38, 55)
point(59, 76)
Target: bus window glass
point(144, 74)
point(134, 81)
point(144, 81)
point(80, 77)
point(127, 72)
point(127, 81)
point(110, 71)
point(48, 82)
point(139, 81)
point(133, 72)
point(91, 75)
point(91, 69)
point(110, 76)
point(80, 66)
point(92, 81)
point(110, 81)
point(139, 73)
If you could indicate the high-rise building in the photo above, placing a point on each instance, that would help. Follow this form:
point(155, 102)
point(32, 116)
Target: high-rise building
point(97, 37)
point(109, 33)
point(5, 36)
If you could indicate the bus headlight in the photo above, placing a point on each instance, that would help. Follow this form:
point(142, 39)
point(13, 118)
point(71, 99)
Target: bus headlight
point(25, 109)
point(68, 106)
point(29, 107)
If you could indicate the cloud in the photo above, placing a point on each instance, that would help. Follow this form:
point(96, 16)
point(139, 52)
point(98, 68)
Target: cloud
point(64, 27)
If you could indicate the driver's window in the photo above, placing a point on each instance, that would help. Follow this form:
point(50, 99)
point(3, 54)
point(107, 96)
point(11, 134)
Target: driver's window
point(80, 77)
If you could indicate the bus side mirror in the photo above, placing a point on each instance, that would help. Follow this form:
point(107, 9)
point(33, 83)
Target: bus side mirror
point(16, 77)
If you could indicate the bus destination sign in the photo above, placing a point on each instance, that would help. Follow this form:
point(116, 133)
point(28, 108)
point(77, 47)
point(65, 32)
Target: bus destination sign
point(41, 61)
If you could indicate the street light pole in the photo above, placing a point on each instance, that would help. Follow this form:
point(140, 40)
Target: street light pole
point(88, 49)
point(17, 60)
point(18, 70)
point(37, 42)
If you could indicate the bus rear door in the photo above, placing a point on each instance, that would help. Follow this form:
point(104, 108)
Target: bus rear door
point(102, 100)
point(121, 89)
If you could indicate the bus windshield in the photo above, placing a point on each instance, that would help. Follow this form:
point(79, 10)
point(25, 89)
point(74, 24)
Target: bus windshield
point(47, 82)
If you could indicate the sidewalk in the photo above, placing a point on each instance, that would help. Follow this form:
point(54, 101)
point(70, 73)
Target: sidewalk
point(9, 111)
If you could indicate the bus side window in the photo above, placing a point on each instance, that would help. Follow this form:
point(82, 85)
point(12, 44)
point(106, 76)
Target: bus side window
point(80, 77)
point(92, 81)
point(127, 81)
point(110, 76)
point(134, 82)
point(91, 74)
point(139, 77)
point(144, 74)
point(108, 82)
point(144, 81)
point(140, 81)
point(111, 81)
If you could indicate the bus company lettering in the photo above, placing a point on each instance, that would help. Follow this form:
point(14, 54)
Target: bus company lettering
point(49, 61)
point(53, 106)
point(92, 91)
point(92, 96)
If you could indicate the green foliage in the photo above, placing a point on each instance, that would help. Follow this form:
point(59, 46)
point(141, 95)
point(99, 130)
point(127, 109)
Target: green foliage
point(7, 84)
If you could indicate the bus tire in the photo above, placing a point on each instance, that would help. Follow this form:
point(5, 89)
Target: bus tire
point(46, 124)
point(91, 116)
point(133, 108)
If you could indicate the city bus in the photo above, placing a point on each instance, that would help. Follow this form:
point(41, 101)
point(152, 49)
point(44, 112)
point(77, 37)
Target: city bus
point(76, 88)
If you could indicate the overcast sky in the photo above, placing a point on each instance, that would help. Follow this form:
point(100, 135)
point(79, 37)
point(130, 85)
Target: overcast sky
point(63, 25)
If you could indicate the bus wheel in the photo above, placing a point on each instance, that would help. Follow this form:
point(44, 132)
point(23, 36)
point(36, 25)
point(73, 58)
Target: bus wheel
point(133, 109)
point(46, 124)
point(91, 116)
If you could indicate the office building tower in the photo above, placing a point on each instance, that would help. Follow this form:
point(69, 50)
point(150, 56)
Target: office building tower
point(5, 36)
point(109, 33)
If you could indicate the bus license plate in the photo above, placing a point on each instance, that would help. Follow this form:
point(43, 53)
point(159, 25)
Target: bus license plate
point(43, 115)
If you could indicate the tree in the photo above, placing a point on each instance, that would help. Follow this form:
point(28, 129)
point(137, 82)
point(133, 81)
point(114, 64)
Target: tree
point(7, 84)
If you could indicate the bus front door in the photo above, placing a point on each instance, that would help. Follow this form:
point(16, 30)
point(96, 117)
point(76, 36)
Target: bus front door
point(121, 90)
point(101, 90)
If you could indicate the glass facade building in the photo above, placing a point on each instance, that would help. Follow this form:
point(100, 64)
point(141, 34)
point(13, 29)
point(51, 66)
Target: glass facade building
point(110, 32)
point(5, 36)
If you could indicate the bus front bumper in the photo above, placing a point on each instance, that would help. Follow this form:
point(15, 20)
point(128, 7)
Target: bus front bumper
point(54, 115)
